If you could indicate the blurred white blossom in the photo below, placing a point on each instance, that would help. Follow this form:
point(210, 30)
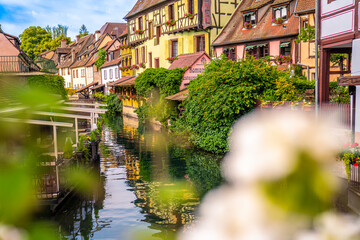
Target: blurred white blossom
point(11, 233)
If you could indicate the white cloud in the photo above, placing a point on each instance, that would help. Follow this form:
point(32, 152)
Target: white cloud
point(72, 13)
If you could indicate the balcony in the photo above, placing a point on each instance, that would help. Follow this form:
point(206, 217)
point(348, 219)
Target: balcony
point(17, 64)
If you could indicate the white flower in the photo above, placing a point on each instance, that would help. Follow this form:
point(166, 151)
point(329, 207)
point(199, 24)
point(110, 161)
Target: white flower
point(266, 145)
point(11, 233)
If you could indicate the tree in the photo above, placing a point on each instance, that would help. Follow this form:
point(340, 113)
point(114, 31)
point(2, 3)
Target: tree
point(57, 31)
point(34, 41)
point(83, 31)
point(55, 43)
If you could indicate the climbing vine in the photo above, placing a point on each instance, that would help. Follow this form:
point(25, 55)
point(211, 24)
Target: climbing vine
point(101, 58)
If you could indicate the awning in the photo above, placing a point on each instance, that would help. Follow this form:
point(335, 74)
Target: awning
point(278, 8)
point(250, 47)
point(87, 86)
point(180, 96)
point(248, 14)
point(285, 44)
point(262, 45)
point(126, 83)
point(97, 87)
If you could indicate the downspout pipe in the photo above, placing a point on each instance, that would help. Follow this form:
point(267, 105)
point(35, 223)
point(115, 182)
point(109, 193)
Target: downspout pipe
point(317, 57)
point(307, 69)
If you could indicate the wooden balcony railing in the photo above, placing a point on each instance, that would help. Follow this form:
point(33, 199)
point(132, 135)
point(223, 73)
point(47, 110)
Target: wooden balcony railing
point(17, 64)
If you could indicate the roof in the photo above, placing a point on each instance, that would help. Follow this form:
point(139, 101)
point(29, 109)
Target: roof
point(98, 86)
point(180, 96)
point(142, 5)
point(111, 63)
point(265, 29)
point(305, 6)
point(121, 80)
point(87, 86)
point(187, 60)
point(113, 28)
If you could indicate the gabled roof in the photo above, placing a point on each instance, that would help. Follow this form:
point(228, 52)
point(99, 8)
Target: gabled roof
point(112, 28)
point(187, 60)
point(111, 63)
point(233, 32)
point(122, 80)
point(180, 96)
point(304, 6)
point(142, 5)
point(87, 86)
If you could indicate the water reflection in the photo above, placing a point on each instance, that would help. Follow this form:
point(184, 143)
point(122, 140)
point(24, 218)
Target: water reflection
point(132, 167)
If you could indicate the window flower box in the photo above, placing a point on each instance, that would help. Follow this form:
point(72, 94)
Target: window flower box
point(283, 59)
point(279, 20)
point(142, 65)
point(139, 31)
point(189, 15)
point(248, 25)
point(171, 22)
point(172, 59)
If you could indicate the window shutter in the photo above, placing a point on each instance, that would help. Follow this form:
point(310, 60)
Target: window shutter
point(167, 50)
point(180, 45)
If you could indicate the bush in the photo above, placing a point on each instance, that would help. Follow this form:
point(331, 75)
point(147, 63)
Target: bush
point(114, 104)
point(223, 93)
point(52, 84)
point(68, 149)
point(82, 148)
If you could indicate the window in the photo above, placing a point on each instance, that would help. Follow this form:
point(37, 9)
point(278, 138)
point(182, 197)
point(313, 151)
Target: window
point(150, 60)
point(116, 72)
point(174, 48)
point(200, 43)
point(250, 17)
point(68, 71)
point(111, 74)
point(158, 34)
point(157, 62)
point(111, 56)
point(230, 53)
point(130, 60)
point(143, 54)
point(140, 23)
point(191, 6)
point(77, 73)
point(151, 30)
point(280, 12)
point(305, 24)
point(171, 12)
point(74, 75)
point(105, 74)
point(257, 51)
point(285, 48)
point(137, 56)
point(82, 72)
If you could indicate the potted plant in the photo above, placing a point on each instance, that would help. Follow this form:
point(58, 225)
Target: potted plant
point(189, 15)
point(139, 31)
point(283, 59)
point(248, 25)
point(350, 155)
point(142, 65)
point(172, 59)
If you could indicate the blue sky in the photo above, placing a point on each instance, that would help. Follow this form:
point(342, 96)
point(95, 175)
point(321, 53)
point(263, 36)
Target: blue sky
point(17, 15)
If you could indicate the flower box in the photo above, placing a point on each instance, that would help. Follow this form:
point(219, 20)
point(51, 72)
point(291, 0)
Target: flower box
point(139, 31)
point(189, 15)
point(283, 59)
point(171, 22)
point(279, 20)
point(248, 25)
point(172, 59)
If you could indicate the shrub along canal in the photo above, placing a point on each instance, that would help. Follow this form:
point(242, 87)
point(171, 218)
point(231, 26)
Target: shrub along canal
point(133, 164)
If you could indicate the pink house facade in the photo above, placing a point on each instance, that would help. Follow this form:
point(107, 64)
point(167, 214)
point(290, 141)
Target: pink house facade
point(260, 28)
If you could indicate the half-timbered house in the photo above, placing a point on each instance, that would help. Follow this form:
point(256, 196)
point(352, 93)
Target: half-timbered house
point(159, 30)
point(260, 28)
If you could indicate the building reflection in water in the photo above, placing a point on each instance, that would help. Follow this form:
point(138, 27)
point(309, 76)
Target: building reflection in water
point(142, 162)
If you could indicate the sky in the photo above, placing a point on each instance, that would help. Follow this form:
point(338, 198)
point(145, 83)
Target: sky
point(17, 15)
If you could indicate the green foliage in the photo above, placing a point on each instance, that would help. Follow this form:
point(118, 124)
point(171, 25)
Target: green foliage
point(68, 149)
point(83, 31)
point(52, 84)
point(34, 41)
point(57, 31)
point(284, 90)
point(93, 136)
point(114, 105)
point(56, 42)
point(167, 81)
point(81, 146)
point(336, 59)
point(223, 93)
point(306, 34)
point(101, 58)
point(302, 84)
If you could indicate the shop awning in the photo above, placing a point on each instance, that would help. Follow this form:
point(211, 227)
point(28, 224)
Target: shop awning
point(285, 44)
point(278, 8)
point(262, 45)
point(99, 86)
point(123, 79)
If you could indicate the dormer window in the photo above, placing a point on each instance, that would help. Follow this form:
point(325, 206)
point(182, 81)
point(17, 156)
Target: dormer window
point(250, 17)
point(280, 12)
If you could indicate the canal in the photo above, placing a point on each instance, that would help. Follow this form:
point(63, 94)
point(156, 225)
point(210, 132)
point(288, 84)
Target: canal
point(134, 164)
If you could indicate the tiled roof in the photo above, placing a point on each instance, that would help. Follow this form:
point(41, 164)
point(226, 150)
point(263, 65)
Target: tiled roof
point(122, 80)
point(87, 86)
point(111, 63)
point(180, 96)
point(98, 86)
point(264, 29)
point(141, 5)
point(305, 6)
point(113, 28)
point(187, 60)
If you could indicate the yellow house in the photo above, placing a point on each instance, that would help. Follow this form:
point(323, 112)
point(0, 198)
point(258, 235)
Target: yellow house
point(126, 55)
point(160, 30)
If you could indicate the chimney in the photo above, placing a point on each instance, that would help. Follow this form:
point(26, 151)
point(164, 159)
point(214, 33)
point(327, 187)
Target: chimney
point(63, 43)
point(73, 55)
point(77, 38)
point(97, 35)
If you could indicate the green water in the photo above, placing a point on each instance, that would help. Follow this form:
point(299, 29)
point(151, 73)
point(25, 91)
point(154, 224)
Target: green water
point(133, 163)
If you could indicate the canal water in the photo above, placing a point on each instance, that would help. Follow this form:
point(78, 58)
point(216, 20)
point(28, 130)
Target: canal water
point(134, 164)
